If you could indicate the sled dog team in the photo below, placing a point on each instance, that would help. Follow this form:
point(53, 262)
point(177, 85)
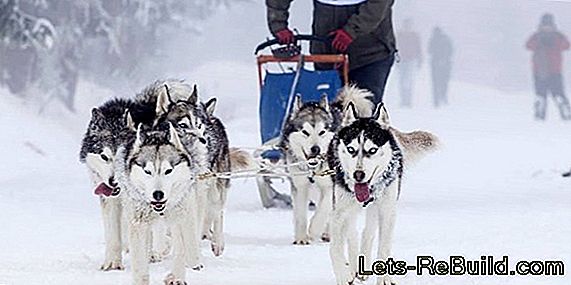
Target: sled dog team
point(147, 157)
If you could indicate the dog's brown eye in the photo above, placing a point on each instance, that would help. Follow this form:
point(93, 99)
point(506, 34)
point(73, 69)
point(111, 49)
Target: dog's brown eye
point(321, 133)
point(351, 150)
point(305, 133)
point(373, 150)
point(104, 157)
point(168, 171)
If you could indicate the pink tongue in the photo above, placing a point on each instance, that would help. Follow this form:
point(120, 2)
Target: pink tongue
point(362, 192)
point(104, 190)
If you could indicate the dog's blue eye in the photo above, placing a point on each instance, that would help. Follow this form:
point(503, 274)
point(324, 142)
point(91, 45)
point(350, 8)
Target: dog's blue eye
point(305, 133)
point(373, 150)
point(351, 150)
point(168, 171)
point(183, 125)
point(321, 133)
point(104, 157)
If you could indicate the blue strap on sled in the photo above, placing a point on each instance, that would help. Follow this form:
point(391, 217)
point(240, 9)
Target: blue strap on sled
point(275, 95)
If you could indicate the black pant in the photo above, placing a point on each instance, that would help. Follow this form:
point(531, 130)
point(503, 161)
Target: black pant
point(551, 84)
point(440, 79)
point(373, 77)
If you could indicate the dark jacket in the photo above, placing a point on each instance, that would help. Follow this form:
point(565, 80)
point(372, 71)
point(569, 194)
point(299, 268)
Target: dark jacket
point(369, 24)
point(547, 47)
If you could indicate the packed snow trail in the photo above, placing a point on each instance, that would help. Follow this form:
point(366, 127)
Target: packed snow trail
point(493, 189)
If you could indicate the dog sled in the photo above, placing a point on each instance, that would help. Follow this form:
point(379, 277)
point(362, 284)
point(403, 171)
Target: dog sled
point(277, 92)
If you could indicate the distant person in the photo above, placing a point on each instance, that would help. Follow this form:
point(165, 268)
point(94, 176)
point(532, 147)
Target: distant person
point(547, 45)
point(410, 54)
point(363, 29)
point(440, 50)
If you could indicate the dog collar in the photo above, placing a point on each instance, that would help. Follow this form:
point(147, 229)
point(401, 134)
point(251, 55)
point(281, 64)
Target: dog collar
point(393, 171)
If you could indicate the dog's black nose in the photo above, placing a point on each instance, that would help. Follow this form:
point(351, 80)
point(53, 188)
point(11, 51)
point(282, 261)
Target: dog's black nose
point(359, 175)
point(158, 195)
point(315, 150)
point(112, 181)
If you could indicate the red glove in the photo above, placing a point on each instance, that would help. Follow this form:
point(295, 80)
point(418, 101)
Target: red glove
point(285, 36)
point(341, 40)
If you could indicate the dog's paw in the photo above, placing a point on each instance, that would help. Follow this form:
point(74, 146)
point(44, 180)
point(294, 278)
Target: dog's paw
point(197, 267)
point(172, 280)
point(325, 237)
point(344, 276)
point(303, 240)
point(385, 280)
point(217, 248)
point(112, 265)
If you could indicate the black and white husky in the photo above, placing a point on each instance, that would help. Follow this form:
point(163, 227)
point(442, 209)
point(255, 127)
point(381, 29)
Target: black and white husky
point(110, 127)
point(306, 135)
point(369, 157)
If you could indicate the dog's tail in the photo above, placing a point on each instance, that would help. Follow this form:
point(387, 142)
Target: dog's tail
point(416, 144)
point(240, 159)
point(361, 98)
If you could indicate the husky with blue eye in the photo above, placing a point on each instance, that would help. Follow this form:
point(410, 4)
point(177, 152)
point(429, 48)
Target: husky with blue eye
point(306, 135)
point(369, 158)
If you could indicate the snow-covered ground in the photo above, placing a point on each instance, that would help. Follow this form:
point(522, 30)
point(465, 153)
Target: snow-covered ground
point(493, 189)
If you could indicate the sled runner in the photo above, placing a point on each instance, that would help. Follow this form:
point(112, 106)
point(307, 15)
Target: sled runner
point(277, 92)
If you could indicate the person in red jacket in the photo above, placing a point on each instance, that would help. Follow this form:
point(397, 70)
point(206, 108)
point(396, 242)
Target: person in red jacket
point(547, 45)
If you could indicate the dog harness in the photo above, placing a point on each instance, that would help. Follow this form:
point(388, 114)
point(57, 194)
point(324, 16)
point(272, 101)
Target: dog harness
point(392, 172)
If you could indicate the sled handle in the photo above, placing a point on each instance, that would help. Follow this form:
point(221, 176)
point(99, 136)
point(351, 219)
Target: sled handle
point(309, 38)
point(341, 59)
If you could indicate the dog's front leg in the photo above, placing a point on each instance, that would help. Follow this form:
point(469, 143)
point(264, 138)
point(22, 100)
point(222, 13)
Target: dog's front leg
point(191, 228)
point(111, 209)
point(318, 224)
point(368, 236)
point(178, 273)
point(159, 245)
point(340, 220)
point(138, 242)
point(387, 216)
point(217, 244)
point(300, 194)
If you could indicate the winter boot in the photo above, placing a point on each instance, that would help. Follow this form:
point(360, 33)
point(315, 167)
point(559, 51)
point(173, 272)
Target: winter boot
point(564, 108)
point(540, 108)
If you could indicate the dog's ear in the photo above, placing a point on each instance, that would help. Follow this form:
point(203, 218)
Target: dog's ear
point(163, 101)
point(324, 103)
point(381, 115)
point(349, 114)
point(193, 98)
point(210, 106)
point(129, 120)
point(296, 104)
point(138, 139)
point(96, 114)
point(174, 138)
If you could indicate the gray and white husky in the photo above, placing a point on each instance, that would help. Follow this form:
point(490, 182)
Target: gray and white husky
point(203, 134)
point(158, 177)
point(369, 157)
point(306, 135)
point(110, 126)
